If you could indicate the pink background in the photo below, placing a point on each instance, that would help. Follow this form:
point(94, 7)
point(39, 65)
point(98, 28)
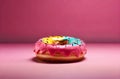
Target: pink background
point(91, 20)
point(25, 21)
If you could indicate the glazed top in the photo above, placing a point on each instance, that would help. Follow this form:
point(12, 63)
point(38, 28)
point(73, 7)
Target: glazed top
point(61, 40)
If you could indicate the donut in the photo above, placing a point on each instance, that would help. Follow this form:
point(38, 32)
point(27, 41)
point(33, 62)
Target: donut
point(60, 49)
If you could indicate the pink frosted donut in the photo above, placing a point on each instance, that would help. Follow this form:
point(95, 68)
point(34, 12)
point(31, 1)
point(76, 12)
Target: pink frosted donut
point(60, 49)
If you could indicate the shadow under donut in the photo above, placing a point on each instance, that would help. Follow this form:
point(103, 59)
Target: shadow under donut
point(38, 60)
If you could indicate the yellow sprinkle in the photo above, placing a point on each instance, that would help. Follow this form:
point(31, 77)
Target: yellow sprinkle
point(52, 39)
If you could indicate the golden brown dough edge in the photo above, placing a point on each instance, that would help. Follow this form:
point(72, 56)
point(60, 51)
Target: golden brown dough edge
point(45, 57)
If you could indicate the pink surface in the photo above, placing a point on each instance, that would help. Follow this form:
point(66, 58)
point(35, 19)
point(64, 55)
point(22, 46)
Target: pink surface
point(91, 20)
point(102, 62)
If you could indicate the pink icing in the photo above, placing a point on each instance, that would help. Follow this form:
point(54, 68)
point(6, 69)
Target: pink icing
point(65, 50)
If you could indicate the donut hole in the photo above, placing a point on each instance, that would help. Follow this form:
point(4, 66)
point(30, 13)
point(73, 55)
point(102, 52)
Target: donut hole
point(62, 42)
